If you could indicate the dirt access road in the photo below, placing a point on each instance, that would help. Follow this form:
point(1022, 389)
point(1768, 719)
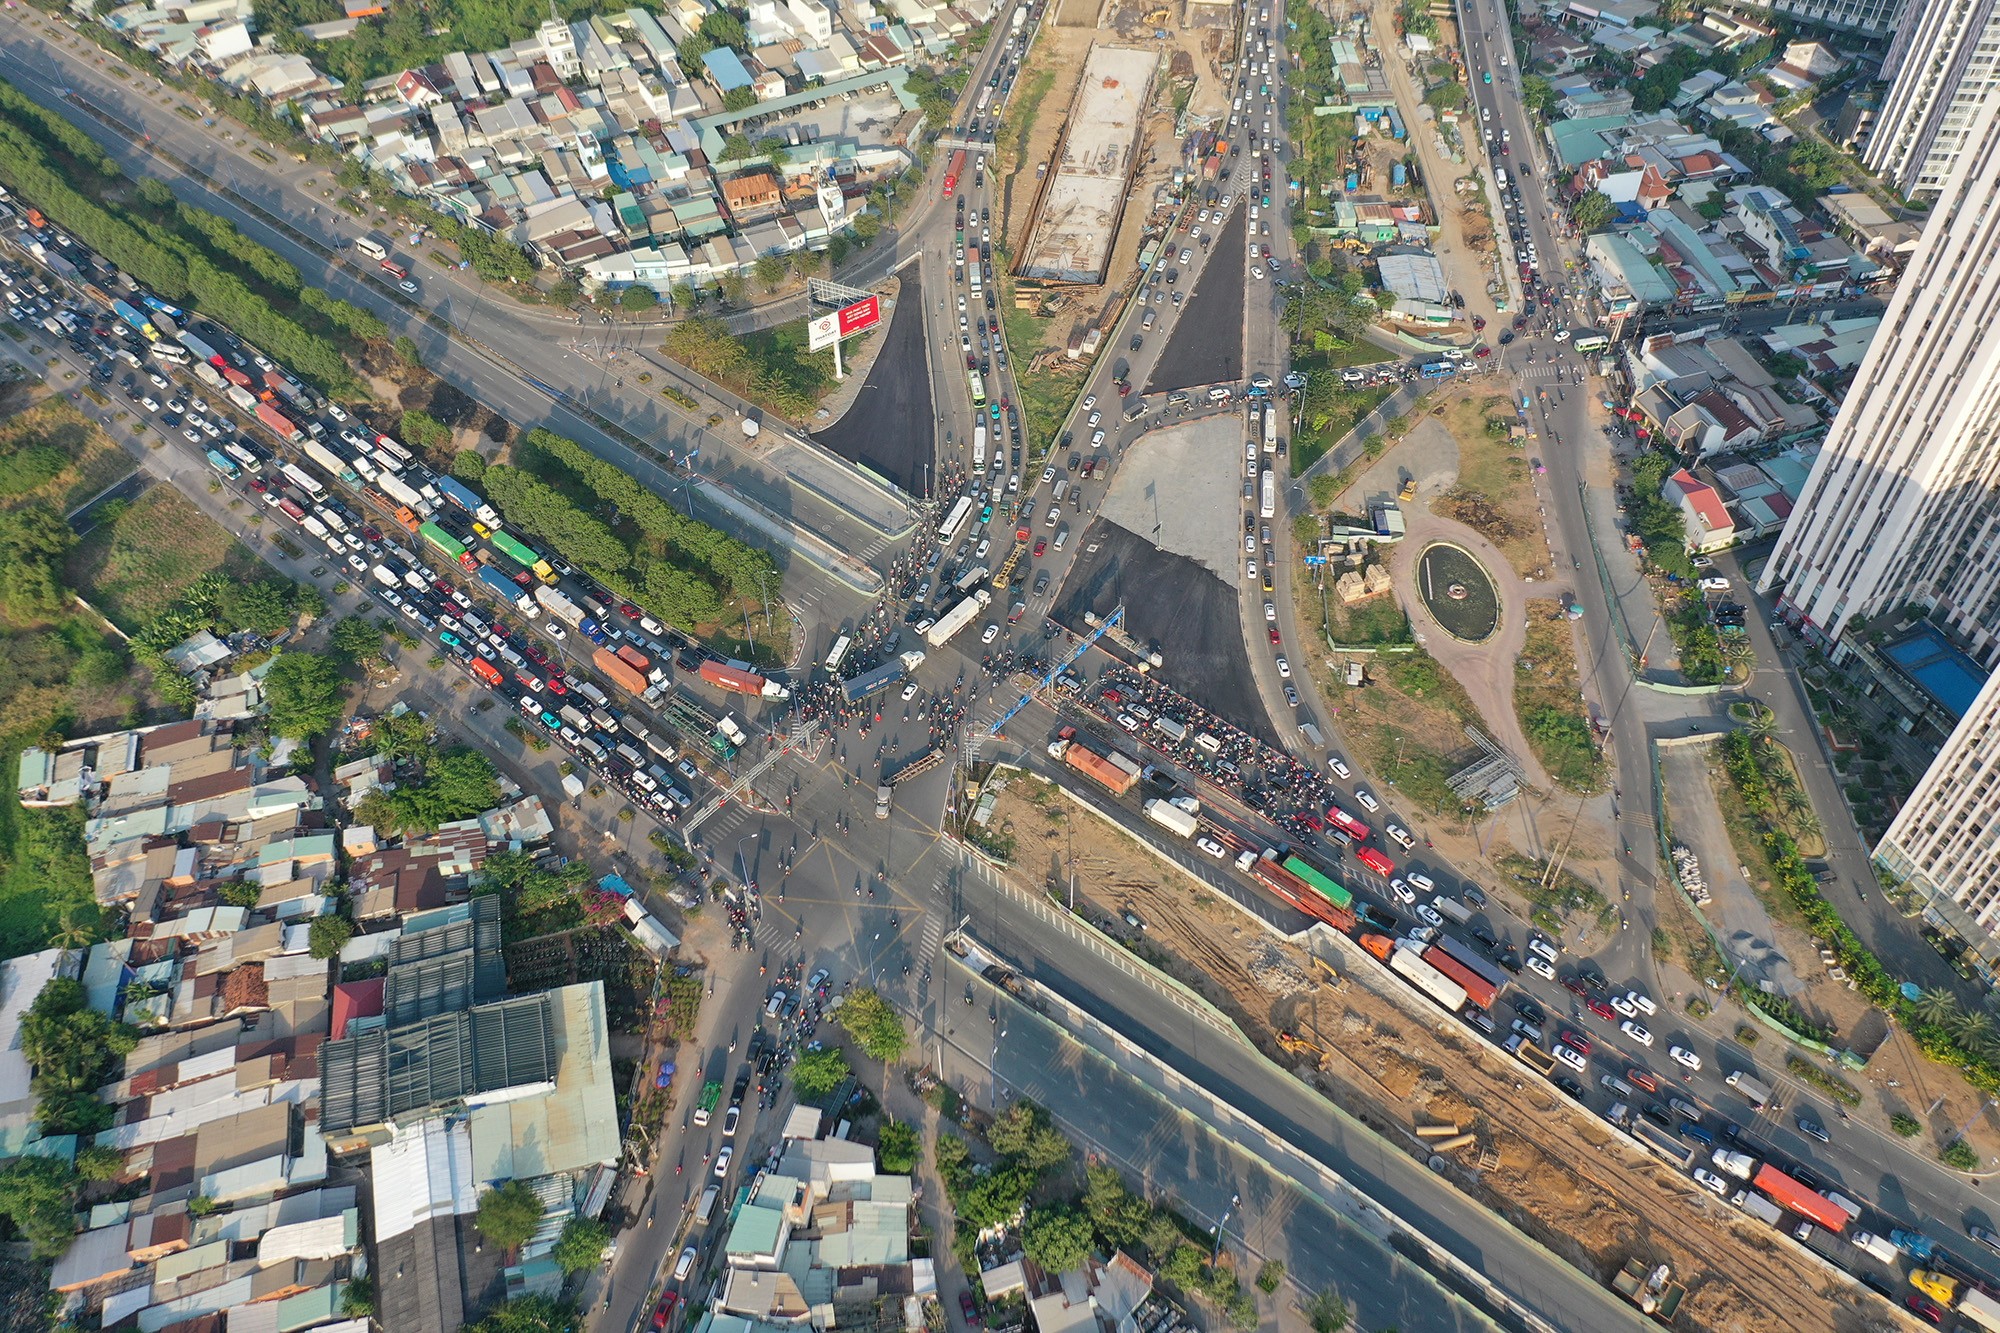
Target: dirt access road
point(1396, 1070)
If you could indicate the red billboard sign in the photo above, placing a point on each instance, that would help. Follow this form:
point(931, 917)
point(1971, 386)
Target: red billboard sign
point(859, 316)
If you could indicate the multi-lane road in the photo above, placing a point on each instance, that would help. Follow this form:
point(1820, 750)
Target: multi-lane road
point(848, 524)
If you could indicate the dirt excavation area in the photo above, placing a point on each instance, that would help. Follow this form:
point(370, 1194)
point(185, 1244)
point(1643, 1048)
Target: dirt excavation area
point(1389, 1058)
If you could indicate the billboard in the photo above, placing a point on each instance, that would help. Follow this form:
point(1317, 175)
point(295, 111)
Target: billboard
point(823, 331)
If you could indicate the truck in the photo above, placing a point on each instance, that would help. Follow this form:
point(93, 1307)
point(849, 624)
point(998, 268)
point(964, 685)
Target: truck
point(952, 171)
point(456, 492)
point(1447, 906)
point(486, 671)
point(1913, 1243)
point(402, 493)
point(729, 728)
point(1670, 1146)
point(1171, 817)
point(201, 350)
point(1754, 1090)
point(280, 424)
point(1116, 771)
point(1469, 957)
point(1739, 1164)
point(956, 619)
point(1980, 1309)
point(242, 397)
point(1809, 1204)
point(872, 682)
point(135, 320)
point(209, 375)
point(334, 464)
point(619, 671)
point(1439, 987)
point(1477, 989)
point(711, 1097)
point(1531, 1055)
point(884, 793)
point(1759, 1207)
point(501, 586)
point(559, 606)
point(734, 679)
point(1879, 1246)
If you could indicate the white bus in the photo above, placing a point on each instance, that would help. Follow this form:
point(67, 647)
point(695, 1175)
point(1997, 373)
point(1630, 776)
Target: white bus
point(173, 353)
point(1270, 428)
point(304, 480)
point(373, 248)
point(1267, 499)
point(955, 520)
point(979, 448)
point(838, 653)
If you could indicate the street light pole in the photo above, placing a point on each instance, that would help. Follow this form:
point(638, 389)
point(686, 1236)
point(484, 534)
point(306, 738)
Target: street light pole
point(1216, 1256)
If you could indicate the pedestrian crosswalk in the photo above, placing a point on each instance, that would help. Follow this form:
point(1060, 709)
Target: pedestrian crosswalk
point(867, 554)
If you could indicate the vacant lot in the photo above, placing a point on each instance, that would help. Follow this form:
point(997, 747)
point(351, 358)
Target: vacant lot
point(140, 560)
point(56, 454)
point(1495, 495)
point(1548, 701)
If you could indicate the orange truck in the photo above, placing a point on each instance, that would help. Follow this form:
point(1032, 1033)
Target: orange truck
point(486, 671)
point(620, 672)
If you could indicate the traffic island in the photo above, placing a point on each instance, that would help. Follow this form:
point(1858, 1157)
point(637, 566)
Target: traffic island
point(1458, 592)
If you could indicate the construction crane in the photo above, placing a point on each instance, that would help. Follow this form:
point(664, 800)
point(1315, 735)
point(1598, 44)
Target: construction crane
point(1000, 723)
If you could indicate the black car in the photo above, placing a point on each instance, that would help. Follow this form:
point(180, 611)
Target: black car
point(1570, 1087)
point(1509, 960)
point(1813, 1129)
point(1472, 894)
point(1812, 1182)
point(1486, 938)
point(1531, 1011)
point(1138, 341)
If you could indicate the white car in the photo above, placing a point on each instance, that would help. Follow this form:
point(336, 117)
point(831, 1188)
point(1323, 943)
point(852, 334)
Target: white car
point(1429, 914)
point(1095, 417)
point(1423, 881)
point(1271, 611)
point(1097, 440)
point(1540, 967)
point(1642, 1003)
point(1636, 1033)
point(1683, 1055)
point(1367, 799)
point(407, 287)
point(1212, 847)
point(1401, 891)
point(1711, 1182)
point(1562, 335)
point(1715, 583)
point(1284, 668)
point(992, 633)
point(1624, 1007)
point(1547, 950)
point(1048, 475)
point(1250, 569)
point(1571, 1057)
point(909, 691)
point(722, 1159)
point(1256, 272)
point(1089, 401)
point(1339, 766)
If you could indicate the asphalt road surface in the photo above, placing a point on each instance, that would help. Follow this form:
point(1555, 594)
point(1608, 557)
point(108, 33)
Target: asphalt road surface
point(1193, 617)
point(1206, 342)
point(891, 428)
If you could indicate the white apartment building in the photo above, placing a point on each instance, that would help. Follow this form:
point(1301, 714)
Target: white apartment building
point(1901, 509)
point(1942, 66)
point(1873, 17)
point(1897, 509)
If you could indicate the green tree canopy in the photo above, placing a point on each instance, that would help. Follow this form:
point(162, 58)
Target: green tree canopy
point(876, 1028)
point(302, 692)
point(509, 1214)
point(530, 1314)
point(329, 934)
point(1024, 1133)
point(1119, 1215)
point(1056, 1236)
point(1594, 211)
point(39, 1195)
point(898, 1147)
point(818, 1073)
point(638, 299)
point(581, 1245)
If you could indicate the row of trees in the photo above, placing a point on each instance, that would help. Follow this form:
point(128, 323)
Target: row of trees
point(774, 367)
point(198, 259)
point(736, 568)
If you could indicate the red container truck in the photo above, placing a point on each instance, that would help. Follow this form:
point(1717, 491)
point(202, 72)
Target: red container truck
point(734, 679)
point(1477, 988)
point(486, 671)
point(619, 671)
point(279, 423)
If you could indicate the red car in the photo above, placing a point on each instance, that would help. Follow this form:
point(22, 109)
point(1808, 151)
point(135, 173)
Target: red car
point(1601, 1008)
point(969, 1310)
point(1112, 697)
point(1576, 1041)
point(1575, 987)
point(629, 611)
point(1274, 634)
point(534, 652)
point(441, 586)
point(1041, 545)
point(664, 1315)
point(556, 685)
point(1924, 1308)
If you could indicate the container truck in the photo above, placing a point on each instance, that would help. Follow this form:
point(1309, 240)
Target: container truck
point(1759, 1207)
point(456, 492)
point(1754, 1091)
point(1739, 1164)
point(1809, 1204)
point(956, 619)
point(200, 349)
point(280, 424)
point(734, 679)
point(873, 682)
point(402, 493)
point(733, 729)
point(1427, 978)
point(559, 606)
point(1670, 1146)
point(135, 320)
point(500, 585)
point(1472, 960)
point(1477, 988)
point(327, 458)
point(1172, 818)
point(242, 397)
point(1112, 769)
point(619, 671)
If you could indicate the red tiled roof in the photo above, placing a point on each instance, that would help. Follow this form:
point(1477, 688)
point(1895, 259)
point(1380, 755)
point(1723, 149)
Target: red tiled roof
point(1707, 504)
point(356, 999)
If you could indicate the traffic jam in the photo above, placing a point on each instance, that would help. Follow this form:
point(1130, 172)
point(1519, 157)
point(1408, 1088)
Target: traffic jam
point(420, 544)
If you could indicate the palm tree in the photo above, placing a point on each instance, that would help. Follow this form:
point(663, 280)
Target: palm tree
point(1974, 1029)
point(1793, 801)
point(1935, 1007)
point(76, 932)
point(1807, 825)
point(1764, 720)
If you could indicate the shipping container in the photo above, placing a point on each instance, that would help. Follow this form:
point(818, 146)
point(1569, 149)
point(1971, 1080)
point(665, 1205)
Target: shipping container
point(619, 671)
point(280, 424)
point(1477, 988)
point(733, 679)
point(1428, 979)
point(1114, 770)
point(1472, 960)
point(1809, 1204)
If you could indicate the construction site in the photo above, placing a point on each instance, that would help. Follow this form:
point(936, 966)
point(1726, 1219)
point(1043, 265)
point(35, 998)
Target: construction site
point(1434, 1090)
point(1079, 203)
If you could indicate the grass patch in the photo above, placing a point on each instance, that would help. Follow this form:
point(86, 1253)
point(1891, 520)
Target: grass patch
point(44, 871)
point(1329, 418)
point(139, 559)
point(54, 453)
point(1548, 703)
point(1046, 394)
point(1552, 899)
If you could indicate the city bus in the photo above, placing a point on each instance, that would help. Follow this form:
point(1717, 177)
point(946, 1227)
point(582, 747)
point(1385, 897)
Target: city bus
point(304, 480)
point(978, 388)
point(954, 522)
point(371, 247)
point(838, 653)
point(1590, 340)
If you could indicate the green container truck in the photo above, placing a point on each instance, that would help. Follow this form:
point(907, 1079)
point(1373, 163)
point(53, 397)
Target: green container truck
point(711, 1096)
